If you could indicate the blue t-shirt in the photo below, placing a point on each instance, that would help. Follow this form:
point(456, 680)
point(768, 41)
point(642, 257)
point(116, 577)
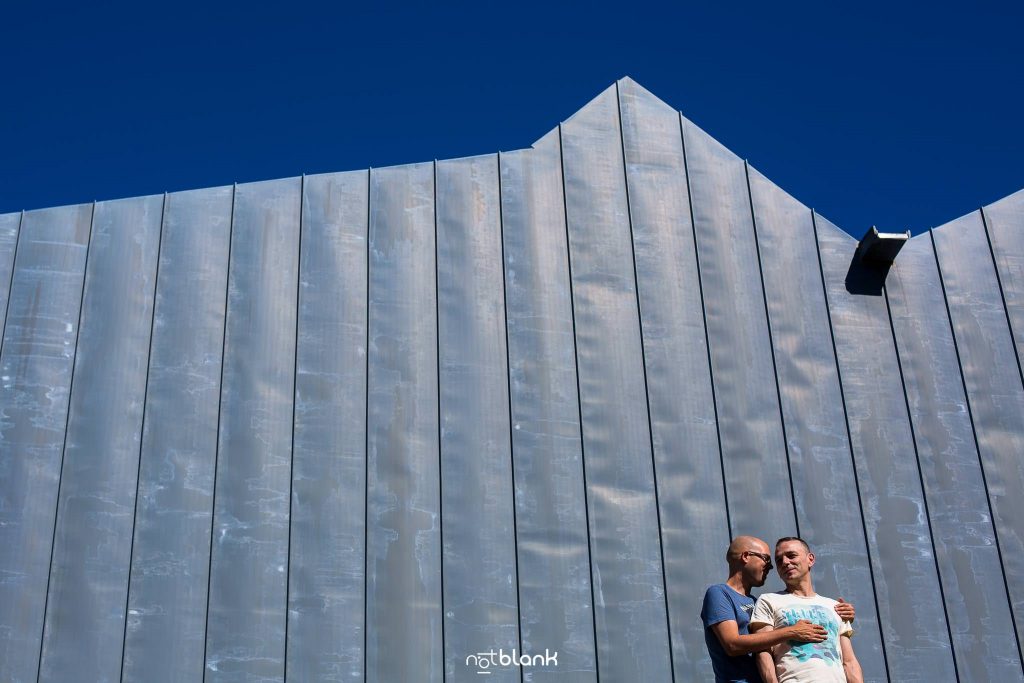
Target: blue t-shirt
point(722, 603)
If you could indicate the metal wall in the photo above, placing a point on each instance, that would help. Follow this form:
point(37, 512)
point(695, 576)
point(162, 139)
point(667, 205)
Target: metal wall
point(361, 426)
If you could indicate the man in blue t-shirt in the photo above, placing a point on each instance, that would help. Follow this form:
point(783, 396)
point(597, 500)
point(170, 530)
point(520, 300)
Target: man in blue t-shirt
point(726, 615)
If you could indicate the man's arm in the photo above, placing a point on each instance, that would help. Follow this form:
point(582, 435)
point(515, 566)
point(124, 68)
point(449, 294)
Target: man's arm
point(765, 660)
point(850, 664)
point(735, 644)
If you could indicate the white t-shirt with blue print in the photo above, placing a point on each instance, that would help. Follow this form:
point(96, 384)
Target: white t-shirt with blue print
point(804, 662)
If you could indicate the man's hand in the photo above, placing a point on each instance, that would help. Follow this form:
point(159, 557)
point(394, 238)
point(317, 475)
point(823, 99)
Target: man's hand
point(845, 610)
point(806, 632)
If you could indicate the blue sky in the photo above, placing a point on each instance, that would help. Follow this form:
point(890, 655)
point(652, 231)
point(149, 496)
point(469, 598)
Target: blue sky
point(872, 113)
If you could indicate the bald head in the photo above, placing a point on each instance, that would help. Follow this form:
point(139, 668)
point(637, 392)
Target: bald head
point(743, 544)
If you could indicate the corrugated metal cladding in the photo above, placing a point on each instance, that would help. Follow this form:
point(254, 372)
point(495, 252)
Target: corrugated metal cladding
point(365, 425)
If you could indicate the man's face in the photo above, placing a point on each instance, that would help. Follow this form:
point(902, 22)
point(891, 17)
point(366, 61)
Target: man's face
point(793, 561)
point(757, 563)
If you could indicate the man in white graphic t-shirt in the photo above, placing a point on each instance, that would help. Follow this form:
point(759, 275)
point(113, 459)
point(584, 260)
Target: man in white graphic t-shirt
point(830, 661)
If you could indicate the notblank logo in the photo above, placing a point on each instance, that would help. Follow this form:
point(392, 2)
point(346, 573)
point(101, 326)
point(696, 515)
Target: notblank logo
point(485, 661)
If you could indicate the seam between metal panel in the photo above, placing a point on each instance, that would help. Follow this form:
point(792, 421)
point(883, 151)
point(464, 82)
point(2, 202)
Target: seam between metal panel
point(707, 339)
point(220, 402)
point(508, 385)
point(920, 476)
point(579, 407)
point(440, 469)
point(977, 447)
point(366, 432)
point(67, 416)
point(1002, 294)
point(142, 431)
point(291, 464)
point(647, 397)
point(771, 345)
point(849, 441)
point(10, 285)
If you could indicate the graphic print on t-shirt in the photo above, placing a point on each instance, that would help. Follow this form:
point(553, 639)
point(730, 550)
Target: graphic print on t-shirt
point(828, 649)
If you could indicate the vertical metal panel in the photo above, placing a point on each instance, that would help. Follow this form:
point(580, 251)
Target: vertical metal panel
point(899, 539)
point(824, 480)
point(993, 383)
point(1004, 221)
point(555, 601)
point(8, 242)
point(753, 449)
point(328, 531)
point(84, 631)
point(965, 544)
point(480, 582)
point(632, 624)
point(403, 601)
point(694, 524)
point(35, 378)
point(245, 638)
point(166, 627)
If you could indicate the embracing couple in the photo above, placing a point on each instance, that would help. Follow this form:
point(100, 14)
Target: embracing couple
point(795, 636)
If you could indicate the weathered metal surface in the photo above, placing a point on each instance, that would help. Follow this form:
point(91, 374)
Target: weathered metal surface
point(166, 629)
point(954, 485)
point(555, 601)
point(755, 461)
point(683, 429)
point(629, 593)
point(899, 539)
point(85, 604)
point(824, 481)
point(404, 638)
point(478, 517)
point(1004, 222)
point(246, 623)
point(328, 531)
point(9, 224)
point(370, 425)
point(35, 384)
point(994, 389)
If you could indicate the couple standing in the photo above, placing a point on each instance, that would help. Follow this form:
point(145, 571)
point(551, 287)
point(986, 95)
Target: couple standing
point(795, 636)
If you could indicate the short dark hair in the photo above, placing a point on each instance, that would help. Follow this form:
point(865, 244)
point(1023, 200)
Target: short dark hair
point(784, 539)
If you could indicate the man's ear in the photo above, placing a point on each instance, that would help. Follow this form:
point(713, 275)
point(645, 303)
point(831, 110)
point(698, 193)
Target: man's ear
point(810, 559)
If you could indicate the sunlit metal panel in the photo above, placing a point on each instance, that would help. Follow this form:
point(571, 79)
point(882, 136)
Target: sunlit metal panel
point(88, 590)
point(328, 511)
point(478, 519)
point(35, 384)
point(555, 601)
point(972, 576)
point(899, 539)
point(749, 418)
point(629, 592)
point(166, 629)
point(824, 481)
point(404, 638)
point(994, 388)
point(683, 429)
point(9, 224)
point(246, 623)
point(1004, 223)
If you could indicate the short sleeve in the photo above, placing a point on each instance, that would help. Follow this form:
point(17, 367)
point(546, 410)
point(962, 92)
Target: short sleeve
point(763, 612)
point(717, 606)
point(845, 628)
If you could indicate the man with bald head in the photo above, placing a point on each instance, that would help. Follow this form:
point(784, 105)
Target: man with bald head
point(726, 615)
